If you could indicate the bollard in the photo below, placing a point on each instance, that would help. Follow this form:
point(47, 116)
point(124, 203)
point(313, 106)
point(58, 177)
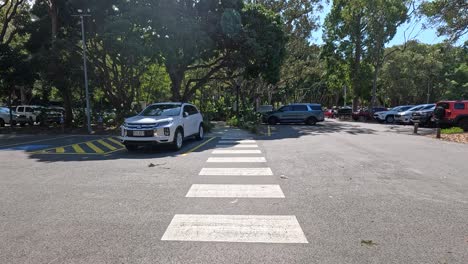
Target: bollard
point(438, 132)
point(100, 123)
point(416, 126)
point(62, 124)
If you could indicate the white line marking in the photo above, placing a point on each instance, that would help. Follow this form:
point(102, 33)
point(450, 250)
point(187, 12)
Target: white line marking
point(235, 191)
point(236, 138)
point(236, 171)
point(236, 151)
point(238, 146)
point(237, 142)
point(235, 228)
point(236, 159)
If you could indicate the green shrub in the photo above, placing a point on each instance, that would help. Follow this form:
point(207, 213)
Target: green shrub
point(452, 130)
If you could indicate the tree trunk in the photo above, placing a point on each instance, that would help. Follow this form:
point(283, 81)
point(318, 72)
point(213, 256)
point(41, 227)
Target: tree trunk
point(176, 77)
point(356, 67)
point(374, 86)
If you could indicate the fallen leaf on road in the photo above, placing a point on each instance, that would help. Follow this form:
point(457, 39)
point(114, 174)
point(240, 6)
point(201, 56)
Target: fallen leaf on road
point(368, 242)
point(283, 177)
point(151, 165)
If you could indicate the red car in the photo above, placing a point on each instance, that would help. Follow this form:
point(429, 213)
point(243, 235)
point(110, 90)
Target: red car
point(329, 113)
point(453, 113)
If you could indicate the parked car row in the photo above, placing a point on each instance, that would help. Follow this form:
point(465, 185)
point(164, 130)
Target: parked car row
point(30, 114)
point(452, 113)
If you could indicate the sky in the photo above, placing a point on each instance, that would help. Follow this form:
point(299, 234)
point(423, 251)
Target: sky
point(413, 30)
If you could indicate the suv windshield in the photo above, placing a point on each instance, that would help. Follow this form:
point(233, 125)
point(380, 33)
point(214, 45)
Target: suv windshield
point(416, 108)
point(162, 110)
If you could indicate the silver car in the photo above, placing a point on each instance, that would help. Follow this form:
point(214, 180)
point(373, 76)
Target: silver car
point(5, 116)
point(296, 113)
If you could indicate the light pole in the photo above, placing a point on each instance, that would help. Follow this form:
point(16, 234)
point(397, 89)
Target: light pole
point(85, 69)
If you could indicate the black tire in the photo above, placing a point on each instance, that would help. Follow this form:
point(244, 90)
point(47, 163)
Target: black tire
point(311, 121)
point(272, 120)
point(31, 122)
point(2, 122)
point(201, 133)
point(464, 124)
point(131, 148)
point(390, 119)
point(178, 141)
point(22, 124)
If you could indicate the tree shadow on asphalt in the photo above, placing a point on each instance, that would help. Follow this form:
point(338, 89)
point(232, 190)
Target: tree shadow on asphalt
point(298, 130)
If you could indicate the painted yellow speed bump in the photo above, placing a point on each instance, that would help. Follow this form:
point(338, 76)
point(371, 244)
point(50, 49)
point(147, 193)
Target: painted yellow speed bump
point(100, 146)
point(94, 147)
point(77, 148)
point(107, 145)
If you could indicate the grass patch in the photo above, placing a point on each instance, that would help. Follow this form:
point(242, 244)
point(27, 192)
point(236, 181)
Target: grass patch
point(452, 130)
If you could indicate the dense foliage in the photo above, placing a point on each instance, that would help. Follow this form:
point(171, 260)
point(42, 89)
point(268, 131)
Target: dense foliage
point(226, 56)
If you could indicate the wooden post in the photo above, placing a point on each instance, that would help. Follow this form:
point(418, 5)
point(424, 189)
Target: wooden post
point(438, 132)
point(416, 126)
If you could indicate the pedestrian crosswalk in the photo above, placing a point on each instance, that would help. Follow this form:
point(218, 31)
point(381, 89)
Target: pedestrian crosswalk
point(235, 228)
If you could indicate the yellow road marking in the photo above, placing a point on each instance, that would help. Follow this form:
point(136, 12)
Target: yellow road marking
point(94, 147)
point(60, 150)
point(199, 146)
point(105, 144)
point(115, 141)
point(77, 148)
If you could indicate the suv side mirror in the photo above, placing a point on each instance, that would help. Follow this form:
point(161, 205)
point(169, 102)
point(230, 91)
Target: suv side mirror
point(186, 114)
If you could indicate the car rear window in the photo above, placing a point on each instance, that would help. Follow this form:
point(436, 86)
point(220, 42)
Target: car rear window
point(459, 106)
point(316, 107)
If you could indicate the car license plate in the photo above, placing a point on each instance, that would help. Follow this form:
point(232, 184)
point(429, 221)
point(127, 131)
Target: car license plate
point(138, 133)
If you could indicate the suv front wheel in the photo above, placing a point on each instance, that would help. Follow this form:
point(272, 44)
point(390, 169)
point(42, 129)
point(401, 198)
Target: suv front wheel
point(390, 119)
point(272, 120)
point(178, 139)
point(201, 133)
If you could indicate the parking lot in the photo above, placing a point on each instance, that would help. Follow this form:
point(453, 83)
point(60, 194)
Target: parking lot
point(337, 192)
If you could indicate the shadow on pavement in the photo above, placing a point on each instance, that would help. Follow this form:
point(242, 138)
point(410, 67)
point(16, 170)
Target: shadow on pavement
point(298, 130)
point(142, 153)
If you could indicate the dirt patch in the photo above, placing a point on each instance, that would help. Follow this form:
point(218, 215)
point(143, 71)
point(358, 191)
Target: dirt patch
point(459, 138)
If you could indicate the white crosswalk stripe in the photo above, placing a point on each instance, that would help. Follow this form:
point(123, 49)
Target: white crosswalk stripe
point(236, 151)
point(238, 146)
point(235, 191)
point(235, 228)
point(245, 141)
point(236, 160)
point(236, 171)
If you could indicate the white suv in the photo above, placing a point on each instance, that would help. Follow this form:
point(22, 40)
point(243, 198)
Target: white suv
point(28, 114)
point(389, 116)
point(162, 123)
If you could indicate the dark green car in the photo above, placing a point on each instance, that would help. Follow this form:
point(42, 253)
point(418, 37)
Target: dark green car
point(296, 113)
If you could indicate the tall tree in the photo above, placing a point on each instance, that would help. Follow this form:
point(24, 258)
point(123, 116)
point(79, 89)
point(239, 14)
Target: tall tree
point(212, 40)
point(358, 30)
point(449, 16)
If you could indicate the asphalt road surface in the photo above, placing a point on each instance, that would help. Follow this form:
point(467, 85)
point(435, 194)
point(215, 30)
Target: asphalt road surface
point(337, 192)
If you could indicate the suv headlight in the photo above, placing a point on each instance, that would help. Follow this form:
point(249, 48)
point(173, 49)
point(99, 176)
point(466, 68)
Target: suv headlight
point(164, 123)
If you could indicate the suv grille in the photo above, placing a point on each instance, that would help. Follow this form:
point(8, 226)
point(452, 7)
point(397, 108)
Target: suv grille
point(140, 126)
